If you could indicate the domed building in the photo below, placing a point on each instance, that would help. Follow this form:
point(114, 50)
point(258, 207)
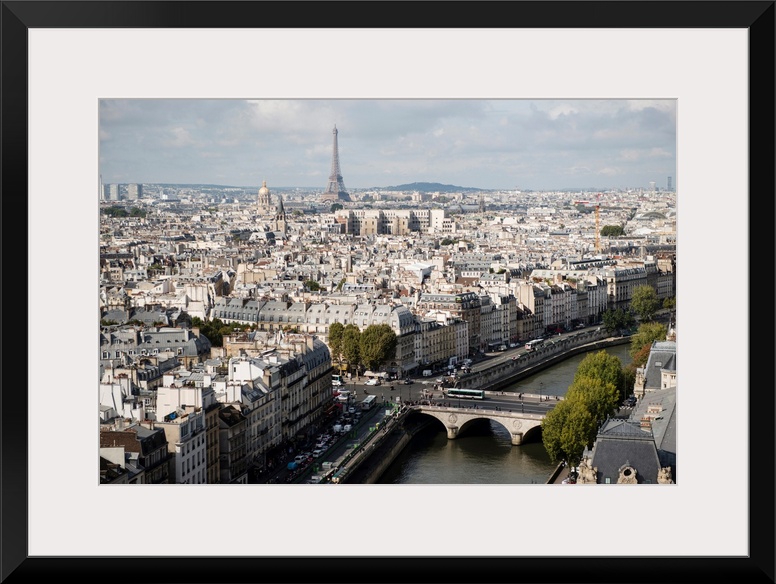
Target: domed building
point(276, 215)
point(264, 204)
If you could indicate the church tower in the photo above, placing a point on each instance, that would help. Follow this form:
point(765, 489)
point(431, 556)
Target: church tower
point(280, 217)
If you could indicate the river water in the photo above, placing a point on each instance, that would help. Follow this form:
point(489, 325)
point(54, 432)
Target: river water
point(484, 454)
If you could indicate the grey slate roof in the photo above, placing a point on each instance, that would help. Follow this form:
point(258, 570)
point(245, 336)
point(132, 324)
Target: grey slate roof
point(623, 442)
point(664, 427)
point(662, 357)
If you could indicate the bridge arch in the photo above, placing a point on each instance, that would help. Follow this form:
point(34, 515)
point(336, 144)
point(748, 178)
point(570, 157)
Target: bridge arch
point(521, 427)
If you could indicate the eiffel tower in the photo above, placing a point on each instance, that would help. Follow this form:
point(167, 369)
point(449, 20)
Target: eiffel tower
point(335, 190)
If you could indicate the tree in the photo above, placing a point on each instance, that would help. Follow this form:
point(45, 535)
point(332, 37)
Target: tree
point(566, 431)
point(335, 207)
point(601, 399)
point(312, 285)
point(335, 341)
point(350, 344)
point(648, 333)
point(645, 301)
point(605, 367)
point(377, 345)
point(617, 319)
point(669, 303)
point(593, 396)
point(612, 230)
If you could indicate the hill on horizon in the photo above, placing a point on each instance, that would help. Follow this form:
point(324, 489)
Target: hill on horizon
point(427, 187)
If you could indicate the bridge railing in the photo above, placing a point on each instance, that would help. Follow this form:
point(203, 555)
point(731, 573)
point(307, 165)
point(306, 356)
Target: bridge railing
point(478, 410)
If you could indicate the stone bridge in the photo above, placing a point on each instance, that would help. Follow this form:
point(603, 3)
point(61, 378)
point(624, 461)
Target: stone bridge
point(519, 425)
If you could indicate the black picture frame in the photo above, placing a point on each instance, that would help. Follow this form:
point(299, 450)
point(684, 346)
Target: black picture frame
point(756, 16)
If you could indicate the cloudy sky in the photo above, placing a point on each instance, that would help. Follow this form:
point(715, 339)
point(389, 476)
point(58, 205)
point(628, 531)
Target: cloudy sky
point(489, 144)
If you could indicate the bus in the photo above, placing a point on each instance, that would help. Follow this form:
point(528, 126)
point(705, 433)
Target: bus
point(531, 345)
point(369, 402)
point(465, 393)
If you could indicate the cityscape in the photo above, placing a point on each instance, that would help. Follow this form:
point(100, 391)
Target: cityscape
point(253, 331)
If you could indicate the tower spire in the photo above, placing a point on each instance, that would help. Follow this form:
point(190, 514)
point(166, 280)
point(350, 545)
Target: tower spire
point(335, 190)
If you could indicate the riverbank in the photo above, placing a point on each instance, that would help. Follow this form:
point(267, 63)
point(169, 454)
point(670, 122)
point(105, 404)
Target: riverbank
point(378, 455)
point(501, 373)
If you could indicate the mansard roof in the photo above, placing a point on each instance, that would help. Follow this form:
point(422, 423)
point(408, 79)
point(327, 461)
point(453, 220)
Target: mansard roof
point(662, 357)
point(623, 442)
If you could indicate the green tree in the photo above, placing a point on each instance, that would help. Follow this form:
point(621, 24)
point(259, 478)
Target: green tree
point(350, 345)
point(603, 366)
point(645, 302)
point(601, 399)
point(377, 345)
point(335, 207)
point(566, 431)
point(612, 230)
point(617, 319)
point(312, 285)
point(335, 341)
point(212, 330)
point(646, 334)
point(593, 396)
point(669, 303)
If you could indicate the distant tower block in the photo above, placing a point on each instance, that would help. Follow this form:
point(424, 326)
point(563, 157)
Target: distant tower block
point(335, 190)
point(652, 186)
point(669, 184)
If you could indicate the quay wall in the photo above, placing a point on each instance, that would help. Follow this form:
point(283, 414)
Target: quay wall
point(510, 372)
point(380, 453)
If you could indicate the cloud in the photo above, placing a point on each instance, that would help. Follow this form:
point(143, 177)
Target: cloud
point(480, 143)
point(179, 138)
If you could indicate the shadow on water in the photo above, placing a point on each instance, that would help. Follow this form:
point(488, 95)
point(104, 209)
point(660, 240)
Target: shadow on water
point(483, 452)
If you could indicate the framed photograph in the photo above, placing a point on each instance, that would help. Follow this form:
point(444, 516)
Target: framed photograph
point(715, 58)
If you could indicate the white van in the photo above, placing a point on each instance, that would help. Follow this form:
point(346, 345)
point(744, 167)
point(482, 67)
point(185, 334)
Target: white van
point(427, 373)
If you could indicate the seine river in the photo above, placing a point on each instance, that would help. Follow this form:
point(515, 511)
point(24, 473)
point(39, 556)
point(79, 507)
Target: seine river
point(484, 454)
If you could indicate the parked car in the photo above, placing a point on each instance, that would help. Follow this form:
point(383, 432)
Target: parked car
point(373, 381)
point(407, 381)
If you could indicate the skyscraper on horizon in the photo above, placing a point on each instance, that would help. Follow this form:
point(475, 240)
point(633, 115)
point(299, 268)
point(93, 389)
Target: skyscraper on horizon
point(335, 190)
